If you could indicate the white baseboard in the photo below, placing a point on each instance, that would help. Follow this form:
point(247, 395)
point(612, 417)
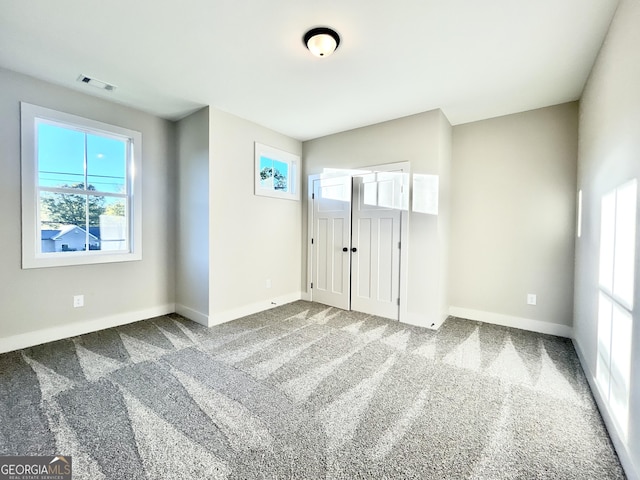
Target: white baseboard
point(30, 339)
point(192, 314)
point(515, 322)
point(227, 316)
point(621, 447)
point(306, 296)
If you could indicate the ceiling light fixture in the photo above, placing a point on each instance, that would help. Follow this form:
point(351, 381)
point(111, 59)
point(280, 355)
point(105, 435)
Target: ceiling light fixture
point(321, 41)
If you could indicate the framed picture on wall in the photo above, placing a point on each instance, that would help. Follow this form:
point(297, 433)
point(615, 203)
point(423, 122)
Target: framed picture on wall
point(277, 173)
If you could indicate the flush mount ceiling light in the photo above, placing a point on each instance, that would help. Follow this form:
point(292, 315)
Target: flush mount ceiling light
point(321, 41)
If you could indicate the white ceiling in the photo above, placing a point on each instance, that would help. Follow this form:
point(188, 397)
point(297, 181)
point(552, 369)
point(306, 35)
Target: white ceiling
point(475, 59)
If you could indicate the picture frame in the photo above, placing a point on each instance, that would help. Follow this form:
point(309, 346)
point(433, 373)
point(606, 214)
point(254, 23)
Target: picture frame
point(276, 173)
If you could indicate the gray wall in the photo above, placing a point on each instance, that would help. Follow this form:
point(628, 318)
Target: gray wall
point(192, 242)
point(513, 218)
point(609, 155)
point(425, 141)
point(252, 238)
point(37, 299)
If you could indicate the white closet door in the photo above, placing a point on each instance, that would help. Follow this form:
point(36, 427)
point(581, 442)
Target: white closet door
point(331, 241)
point(375, 255)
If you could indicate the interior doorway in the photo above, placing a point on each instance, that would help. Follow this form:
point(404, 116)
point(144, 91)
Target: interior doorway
point(355, 248)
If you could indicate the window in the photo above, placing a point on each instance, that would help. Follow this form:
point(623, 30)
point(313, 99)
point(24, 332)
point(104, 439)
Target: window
point(615, 302)
point(277, 173)
point(80, 190)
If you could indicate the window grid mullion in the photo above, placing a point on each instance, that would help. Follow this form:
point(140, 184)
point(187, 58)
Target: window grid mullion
point(77, 191)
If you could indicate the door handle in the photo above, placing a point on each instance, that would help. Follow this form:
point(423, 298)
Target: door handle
point(345, 249)
point(354, 249)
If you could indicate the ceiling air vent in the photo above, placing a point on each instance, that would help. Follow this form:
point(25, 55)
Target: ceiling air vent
point(96, 83)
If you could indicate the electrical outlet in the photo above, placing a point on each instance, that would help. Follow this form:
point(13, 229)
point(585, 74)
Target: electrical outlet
point(531, 299)
point(268, 283)
point(78, 301)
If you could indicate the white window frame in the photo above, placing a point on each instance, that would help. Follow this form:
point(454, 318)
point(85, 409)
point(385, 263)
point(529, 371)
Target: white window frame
point(293, 181)
point(615, 308)
point(32, 255)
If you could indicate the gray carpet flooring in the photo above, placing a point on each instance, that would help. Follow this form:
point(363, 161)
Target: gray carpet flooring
point(304, 391)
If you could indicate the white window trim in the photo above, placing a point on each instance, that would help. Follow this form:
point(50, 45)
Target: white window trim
point(608, 377)
point(293, 192)
point(31, 249)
